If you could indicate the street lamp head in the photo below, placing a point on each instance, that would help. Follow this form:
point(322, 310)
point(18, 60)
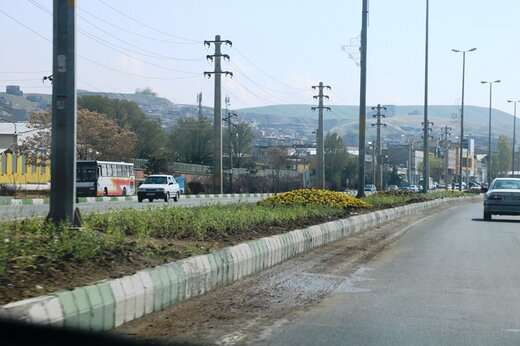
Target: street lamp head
point(472, 50)
point(497, 81)
point(484, 82)
point(455, 50)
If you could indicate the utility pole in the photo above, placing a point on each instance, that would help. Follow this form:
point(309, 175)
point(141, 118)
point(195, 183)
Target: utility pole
point(445, 134)
point(363, 100)
point(464, 52)
point(199, 102)
point(217, 109)
point(489, 158)
point(321, 140)
point(379, 115)
point(230, 125)
point(63, 146)
point(513, 165)
point(426, 123)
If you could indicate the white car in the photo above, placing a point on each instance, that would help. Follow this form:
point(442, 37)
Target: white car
point(159, 186)
point(502, 198)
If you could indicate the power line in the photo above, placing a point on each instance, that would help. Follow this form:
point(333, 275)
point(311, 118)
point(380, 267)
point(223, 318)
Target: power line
point(120, 28)
point(263, 88)
point(188, 40)
point(267, 74)
point(111, 45)
point(25, 26)
point(123, 51)
point(93, 61)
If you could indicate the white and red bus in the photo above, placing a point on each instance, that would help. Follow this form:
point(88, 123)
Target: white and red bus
point(104, 178)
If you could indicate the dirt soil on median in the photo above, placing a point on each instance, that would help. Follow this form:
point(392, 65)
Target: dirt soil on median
point(21, 284)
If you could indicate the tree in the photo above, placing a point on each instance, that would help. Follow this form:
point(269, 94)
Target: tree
point(97, 137)
point(340, 166)
point(191, 141)
point(436, 167)
point(151, 138)
point(242, 137)
point(38, 144)
point(101, 138)
point(501, 163)
point(394, 178)
point(277, 159)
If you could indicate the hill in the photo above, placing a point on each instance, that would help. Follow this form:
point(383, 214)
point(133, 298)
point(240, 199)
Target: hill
point(401, 120)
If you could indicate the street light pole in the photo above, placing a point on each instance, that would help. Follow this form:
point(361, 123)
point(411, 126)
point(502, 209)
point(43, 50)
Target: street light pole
point(462, 109)
point(489, 161)
point(426, 134)
point(515, 102)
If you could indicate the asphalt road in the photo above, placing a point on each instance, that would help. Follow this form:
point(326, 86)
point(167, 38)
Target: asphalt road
point(452, 279)
point(10, 212)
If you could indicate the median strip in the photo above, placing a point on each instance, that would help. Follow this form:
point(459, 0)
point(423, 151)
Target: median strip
point(110, 303)
point(37, 201)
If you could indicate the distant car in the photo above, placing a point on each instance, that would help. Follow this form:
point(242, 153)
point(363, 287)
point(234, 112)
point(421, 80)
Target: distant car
point(502, 198)
point(392, 188)
point(370, 188)
point(441, 186)
point(414, 188)
point(158, 186)
point(474, 187)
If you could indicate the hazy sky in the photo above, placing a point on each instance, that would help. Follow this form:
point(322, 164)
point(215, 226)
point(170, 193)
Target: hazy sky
point(280, 48)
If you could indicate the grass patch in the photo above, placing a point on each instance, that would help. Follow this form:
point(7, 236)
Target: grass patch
point(395, 199)
point(33, 244)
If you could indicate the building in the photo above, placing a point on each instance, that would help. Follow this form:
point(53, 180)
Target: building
point(13, 134)
point(13, 90)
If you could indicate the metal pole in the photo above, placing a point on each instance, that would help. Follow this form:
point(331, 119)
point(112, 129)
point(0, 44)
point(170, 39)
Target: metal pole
point(462, 119)
point(426, 156)
point(321, 143)
point(217, 120)
point(63, 146)
point(363, 101)
point(514, 141)
point(489, 161)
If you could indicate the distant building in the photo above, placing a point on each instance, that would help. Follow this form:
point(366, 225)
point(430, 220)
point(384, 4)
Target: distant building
point(13, 133)
point(13, 90)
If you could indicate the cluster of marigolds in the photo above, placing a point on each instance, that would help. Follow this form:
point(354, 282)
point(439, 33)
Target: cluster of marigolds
point(320, 197)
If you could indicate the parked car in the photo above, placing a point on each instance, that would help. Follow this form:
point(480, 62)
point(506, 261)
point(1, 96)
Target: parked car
point(370, 188)
point(414, 188)
point(474, 187)
point(159, 186)
point(392, 188)
point(502, 198)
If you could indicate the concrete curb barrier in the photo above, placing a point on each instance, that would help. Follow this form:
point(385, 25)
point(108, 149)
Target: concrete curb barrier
point(35, 201)
point(110, 303)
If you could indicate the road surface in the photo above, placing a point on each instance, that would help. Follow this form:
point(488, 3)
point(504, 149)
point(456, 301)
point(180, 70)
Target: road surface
point(10, 212)
point(449, 279)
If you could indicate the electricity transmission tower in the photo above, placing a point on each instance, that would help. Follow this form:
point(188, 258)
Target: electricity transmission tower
point(321, 141)
point(379, 159)
point(217, 109)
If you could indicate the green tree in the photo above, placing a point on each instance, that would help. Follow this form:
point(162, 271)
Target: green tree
point(241, 136)
point(191, 141)
point(151, 138)
point(501, 163)
point(340, 166)
point(436, 167)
